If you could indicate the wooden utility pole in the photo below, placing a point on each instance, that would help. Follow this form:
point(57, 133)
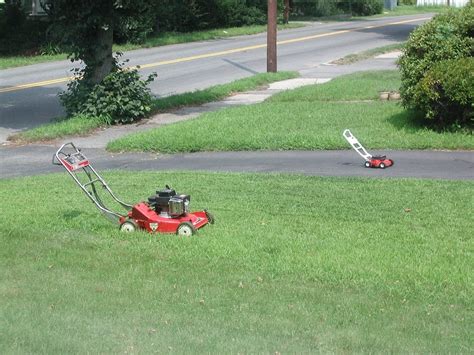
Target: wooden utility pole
point(272, 37)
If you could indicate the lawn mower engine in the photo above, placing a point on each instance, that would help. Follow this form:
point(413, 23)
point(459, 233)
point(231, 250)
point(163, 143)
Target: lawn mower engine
point(168, 204)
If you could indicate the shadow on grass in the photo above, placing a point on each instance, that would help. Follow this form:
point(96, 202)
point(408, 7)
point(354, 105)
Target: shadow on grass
point(409, 121)
point(71, 214)
point(413, 121)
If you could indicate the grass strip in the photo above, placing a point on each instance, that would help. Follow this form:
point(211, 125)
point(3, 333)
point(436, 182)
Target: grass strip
point(307, 118)
point(77, 125)
point(83, 125)
point(357, 57)
point(163, 39)
point(294, 264)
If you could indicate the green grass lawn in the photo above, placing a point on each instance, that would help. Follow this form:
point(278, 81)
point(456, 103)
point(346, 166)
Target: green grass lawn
point(293, 264)
point(83, 125)
point(308, 118)
point(162, 39)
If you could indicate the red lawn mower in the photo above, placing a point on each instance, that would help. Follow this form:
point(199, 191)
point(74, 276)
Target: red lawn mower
point(371, 161)
point(165, 212)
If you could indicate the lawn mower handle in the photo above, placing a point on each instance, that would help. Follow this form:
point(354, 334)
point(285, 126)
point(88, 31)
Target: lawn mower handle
point(59, 151)
point(76, 163)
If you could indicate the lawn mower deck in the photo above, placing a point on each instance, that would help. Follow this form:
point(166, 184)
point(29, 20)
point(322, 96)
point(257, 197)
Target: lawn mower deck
point(164, 212)
point(379, 161)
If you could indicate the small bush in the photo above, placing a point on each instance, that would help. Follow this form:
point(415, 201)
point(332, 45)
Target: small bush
point(446, 93)
point(122, 96)
point(447, 36)
point(321, 8)
point(363, 7)
point(133, 29)
point(236, 14)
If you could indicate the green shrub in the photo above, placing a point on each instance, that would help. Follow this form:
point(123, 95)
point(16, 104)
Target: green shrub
point(446, 36)
point(236, 13)
point(446, 93)
point(122, 96)
point(319, 8)
point(362, 7)
point(133, 29)
point(191, 15)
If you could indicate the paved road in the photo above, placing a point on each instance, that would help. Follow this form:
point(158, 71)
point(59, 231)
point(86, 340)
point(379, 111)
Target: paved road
point(186, 67)
point(34, 160)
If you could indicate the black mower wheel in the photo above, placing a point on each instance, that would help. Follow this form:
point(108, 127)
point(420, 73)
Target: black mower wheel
point(210, 217)
point(382, 165)
point(367, 164)
point(128, 226)
point(186, 229)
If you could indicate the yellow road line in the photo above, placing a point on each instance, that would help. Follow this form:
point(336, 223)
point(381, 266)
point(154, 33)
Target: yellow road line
point(217, 54)
point(33, 85)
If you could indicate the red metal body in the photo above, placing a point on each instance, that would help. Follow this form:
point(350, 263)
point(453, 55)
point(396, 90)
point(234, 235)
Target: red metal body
point(379, 162)
point(146, 218)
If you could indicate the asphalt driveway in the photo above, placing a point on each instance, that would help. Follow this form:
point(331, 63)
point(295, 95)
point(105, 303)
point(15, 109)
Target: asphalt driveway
point(459, 165)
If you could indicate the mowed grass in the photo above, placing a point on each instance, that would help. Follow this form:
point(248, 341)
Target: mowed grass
point(307, 118)
point(293, 264)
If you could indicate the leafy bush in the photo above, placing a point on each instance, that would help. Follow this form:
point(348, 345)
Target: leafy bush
point(406, 2)
point(133, 29)
point(191, 15)
point(122, 96)
point(362, 7)
point(446, 93)
point(236, 13)
point(446, 36)
point(319, 8)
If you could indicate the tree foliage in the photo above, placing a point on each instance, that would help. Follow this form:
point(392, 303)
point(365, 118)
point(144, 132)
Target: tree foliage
point(101, 87)
point(86, 28)
point(446, 37)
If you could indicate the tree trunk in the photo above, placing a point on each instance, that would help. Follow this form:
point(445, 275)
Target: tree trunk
point(103, 61)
